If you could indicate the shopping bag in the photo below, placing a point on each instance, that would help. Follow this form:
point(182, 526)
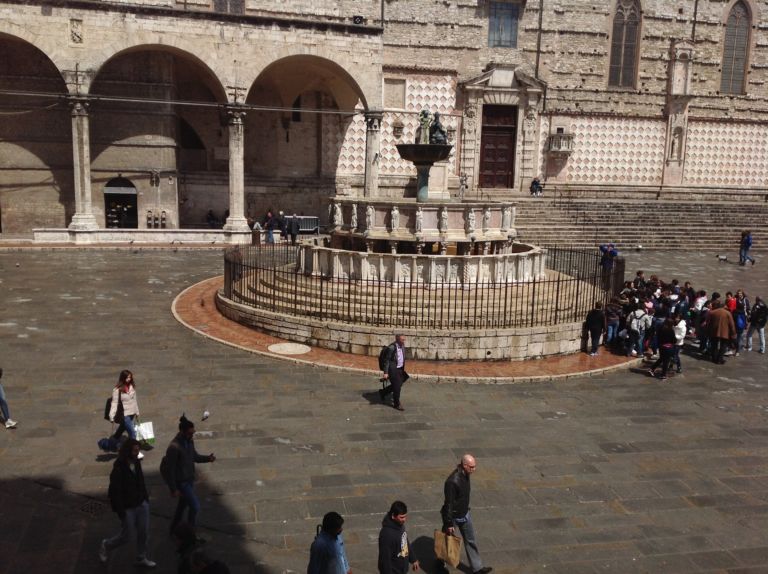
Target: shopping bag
point(145, 434)
point(447, 548)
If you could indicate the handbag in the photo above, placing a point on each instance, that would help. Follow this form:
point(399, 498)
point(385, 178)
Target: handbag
point(145, 433)
point(447, 548)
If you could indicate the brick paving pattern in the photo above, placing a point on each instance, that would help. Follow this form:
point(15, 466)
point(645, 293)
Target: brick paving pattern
point(616, 472)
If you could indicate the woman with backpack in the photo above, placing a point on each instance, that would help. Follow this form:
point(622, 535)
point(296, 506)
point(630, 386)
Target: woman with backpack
point(125, 407)
point(638, 321)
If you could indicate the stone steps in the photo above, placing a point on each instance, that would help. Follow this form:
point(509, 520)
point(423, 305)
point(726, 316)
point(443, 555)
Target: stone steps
point(655, 224)
point(393, 306)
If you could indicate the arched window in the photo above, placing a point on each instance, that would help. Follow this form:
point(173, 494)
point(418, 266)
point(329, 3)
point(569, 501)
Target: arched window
point(735, 50)
point(624, 43)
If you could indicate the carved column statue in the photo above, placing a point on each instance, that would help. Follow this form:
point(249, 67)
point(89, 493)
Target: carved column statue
point(372, 151)
point(83, 218)
point(236, 220)
point(678, 97)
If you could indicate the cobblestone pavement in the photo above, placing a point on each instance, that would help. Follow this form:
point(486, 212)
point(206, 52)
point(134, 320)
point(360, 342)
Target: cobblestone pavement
point(615, 473)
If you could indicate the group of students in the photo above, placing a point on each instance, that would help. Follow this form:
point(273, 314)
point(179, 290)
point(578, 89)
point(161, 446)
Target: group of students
point(650, 317)
point(128, 493)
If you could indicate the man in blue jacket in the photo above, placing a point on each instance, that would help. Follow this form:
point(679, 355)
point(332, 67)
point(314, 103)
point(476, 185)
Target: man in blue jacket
point(327, 555)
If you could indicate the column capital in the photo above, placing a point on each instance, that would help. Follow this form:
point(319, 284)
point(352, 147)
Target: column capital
point(235, 114)
point(373, 119)
point(78, 105)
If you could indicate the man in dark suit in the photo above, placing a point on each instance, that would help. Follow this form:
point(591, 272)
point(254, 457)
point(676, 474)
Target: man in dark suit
point(393, 370)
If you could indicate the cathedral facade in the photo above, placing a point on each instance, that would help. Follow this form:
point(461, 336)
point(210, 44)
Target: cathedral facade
point(161, 113)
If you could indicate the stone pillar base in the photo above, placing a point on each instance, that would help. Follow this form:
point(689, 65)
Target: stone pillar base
point(83, 222)
point(236, 225)
point(237, 236)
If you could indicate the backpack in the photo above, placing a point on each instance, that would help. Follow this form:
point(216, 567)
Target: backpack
point(634, 322)
point(383, 355)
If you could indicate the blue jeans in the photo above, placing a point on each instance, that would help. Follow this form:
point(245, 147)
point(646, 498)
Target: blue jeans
point(750, 332)
point(744, 255)
point(188, 499)
point(4, 405)
point(270, 236)
point(636, 339)
point(470, 542)
point(126, 425)
point(676, 358)
point(611, 332)
point(134, 523)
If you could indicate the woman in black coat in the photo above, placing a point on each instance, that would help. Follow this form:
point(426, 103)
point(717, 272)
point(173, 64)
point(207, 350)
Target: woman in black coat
point(130, 501)
point(667, 342)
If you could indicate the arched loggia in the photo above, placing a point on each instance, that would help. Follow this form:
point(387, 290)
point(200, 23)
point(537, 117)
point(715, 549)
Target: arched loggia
point(36, 186)
point(293, 150)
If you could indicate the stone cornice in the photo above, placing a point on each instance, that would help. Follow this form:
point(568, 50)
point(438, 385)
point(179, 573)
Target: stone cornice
point(254, 19)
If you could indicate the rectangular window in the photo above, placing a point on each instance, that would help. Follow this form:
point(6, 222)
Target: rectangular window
point(502, 25)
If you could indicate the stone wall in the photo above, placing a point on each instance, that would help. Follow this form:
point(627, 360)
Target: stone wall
point(428, 54)
point(490, 344)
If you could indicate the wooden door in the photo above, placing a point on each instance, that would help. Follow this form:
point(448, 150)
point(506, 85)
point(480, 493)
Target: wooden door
point(497, 146)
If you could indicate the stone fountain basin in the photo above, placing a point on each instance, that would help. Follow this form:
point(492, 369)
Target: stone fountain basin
point(424, 153)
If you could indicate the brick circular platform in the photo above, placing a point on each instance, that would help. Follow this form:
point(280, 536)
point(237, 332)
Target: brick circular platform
point(195, 308)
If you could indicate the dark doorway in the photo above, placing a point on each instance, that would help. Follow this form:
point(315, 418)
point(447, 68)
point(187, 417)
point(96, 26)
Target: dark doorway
point(120, 204)
point(497, 148)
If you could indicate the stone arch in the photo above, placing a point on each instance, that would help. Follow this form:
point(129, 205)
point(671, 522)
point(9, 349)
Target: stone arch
point(165, 146)
point(301, 150)
point(212, 79)
point(323, 72)
point(35, 140)
point(14, 32)
point(752, 7)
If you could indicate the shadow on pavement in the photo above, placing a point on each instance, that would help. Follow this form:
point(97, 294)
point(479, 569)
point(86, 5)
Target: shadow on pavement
point(46, 528)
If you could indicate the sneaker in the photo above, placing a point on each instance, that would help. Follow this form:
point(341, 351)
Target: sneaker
point(141, 455)
point(663, 378)
point(679, 371)
point(145, 563)
point(748, 349)
point(736, 354)
point(593, 354)
point(103, 556)
point(652, 372)
point(634, 353)
point(10, 424)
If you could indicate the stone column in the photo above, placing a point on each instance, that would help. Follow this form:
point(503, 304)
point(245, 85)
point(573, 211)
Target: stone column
point(83, 219)
point(372, 151)
point(236, 221)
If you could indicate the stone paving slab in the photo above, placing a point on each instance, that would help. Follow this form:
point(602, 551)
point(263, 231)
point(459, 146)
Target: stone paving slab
point(616, 472)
